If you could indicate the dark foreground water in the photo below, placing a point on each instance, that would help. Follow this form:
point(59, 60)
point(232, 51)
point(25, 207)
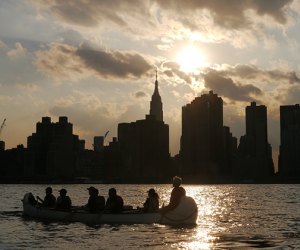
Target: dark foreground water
point(230, 217)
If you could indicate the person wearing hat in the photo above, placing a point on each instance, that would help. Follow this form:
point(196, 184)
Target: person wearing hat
point(63, 201)
point(152, 202)
point(176, 194)
point(49, 200)
point(96, 202)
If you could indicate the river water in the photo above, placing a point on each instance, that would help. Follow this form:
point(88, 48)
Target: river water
point(230, 217)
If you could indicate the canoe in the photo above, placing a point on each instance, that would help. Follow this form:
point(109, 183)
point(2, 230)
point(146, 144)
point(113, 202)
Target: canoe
point(185, 213)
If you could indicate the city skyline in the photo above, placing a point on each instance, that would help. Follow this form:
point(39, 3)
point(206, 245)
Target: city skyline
point(94, 62)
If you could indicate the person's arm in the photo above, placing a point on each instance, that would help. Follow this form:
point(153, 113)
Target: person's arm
point(40, 199)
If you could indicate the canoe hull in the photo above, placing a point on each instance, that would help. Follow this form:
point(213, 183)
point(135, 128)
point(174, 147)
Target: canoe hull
point(177, 216)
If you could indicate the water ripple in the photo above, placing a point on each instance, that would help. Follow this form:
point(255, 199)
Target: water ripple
point(230, 217)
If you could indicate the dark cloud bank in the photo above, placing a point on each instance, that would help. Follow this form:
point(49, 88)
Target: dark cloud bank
point(65, 60)
point(229, 14)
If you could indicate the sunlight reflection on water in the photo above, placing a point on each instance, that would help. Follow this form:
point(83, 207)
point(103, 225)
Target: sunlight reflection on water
point(230, 217)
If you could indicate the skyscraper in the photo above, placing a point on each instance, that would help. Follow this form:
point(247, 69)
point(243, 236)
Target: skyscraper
point(54, 149)
point(254, 152)
point(144, 145)
point(156, 107)
point(289, 151)
point(202, 135)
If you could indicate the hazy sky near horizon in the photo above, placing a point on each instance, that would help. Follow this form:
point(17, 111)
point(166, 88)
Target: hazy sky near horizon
point(94, 61)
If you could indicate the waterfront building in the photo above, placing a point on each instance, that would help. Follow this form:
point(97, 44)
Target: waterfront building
point(254, 161)
point(144, 145)
point(12, 163)
point(201, 150)
point(289, 151)
point(53, 149)
point(229, 152)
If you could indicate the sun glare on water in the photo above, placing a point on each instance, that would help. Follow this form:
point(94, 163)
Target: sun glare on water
point(190, 59)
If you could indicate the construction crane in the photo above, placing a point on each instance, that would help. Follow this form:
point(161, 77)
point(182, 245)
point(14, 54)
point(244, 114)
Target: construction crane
point(2, 126)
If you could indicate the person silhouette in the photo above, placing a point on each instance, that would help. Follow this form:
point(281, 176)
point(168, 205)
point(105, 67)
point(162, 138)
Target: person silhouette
point(176, 194)
point(152, 202)
point(63, 201)
point(49, 200)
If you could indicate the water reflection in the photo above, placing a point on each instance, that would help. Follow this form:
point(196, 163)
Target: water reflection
point(230, 217)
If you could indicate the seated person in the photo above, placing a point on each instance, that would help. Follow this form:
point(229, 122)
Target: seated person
point(95, 203)
point(32, 201)
point(49, 200)
point(176, 194)
point(152, 202)
point(63, 201)
point(114, 203)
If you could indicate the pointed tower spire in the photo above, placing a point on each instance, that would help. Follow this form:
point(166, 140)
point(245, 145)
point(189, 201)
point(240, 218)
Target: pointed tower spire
point(156, 103)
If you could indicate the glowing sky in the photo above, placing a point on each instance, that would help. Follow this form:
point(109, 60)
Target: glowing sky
point(94, 61)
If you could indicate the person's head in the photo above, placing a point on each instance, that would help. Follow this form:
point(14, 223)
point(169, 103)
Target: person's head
point(48, 190)
point(63, 192)
point(112, 192)
point(91, 190)
point(177, 181)
point(151, 192)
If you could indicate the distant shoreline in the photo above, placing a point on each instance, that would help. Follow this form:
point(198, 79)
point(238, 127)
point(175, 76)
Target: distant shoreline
point(186, 182)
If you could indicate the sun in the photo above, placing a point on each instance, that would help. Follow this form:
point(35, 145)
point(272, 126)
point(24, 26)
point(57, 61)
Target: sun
point(190, 59)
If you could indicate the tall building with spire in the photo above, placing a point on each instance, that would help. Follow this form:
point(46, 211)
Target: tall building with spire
point(144, 146)
point(156, 108)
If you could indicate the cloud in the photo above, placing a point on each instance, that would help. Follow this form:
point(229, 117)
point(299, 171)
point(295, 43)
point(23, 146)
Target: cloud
point(90, 13)
point(140, 94)
point(290, 95)
point(172, 69)
point(18, 51)
point(2, 44)
point(238, 22)
point(91, 117)
point(229, 14)
point(63, 61)
point(114, 63)
point(228, 88)
point(253, 72)
point(28, 87)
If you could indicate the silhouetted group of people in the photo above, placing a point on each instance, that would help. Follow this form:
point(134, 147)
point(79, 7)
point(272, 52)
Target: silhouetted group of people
point(96, 202)
point(63, 202)
point(114, 203)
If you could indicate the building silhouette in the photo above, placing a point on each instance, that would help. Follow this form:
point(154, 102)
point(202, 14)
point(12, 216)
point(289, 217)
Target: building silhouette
point(98, 143)
point(254, 156)
point(144, 145)
point(289, 150)
point(156, 106)
point(201, 150)
point(229, 152)
point(53, 150)
point(2, 145)
point(12, 163)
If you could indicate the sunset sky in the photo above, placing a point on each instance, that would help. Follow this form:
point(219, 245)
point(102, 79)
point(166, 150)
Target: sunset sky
point(94, 61)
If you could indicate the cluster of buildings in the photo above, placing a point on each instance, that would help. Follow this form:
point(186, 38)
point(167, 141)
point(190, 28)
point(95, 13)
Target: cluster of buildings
point(140, 152)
